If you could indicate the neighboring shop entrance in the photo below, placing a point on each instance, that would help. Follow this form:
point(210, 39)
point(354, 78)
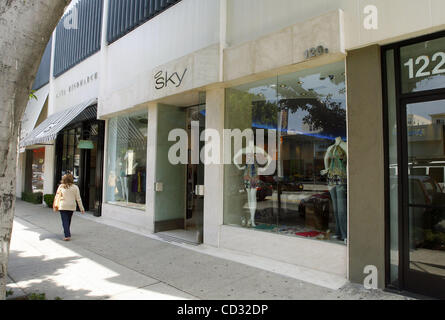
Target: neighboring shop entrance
point(415, 93)
point(79, 151)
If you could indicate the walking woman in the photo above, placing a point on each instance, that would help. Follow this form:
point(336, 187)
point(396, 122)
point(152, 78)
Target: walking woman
point(65, 202)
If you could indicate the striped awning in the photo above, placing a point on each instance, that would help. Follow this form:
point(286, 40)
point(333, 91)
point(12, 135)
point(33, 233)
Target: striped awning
point(48, 129)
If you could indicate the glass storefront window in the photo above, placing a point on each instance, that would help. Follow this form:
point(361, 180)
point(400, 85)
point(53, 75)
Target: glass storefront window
point(423, 66)
point(305, 194)
point(126, 160)
point(38, 167)
point(393, 166)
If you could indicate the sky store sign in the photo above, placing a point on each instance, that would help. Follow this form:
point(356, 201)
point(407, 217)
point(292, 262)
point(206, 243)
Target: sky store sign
point(165, 79)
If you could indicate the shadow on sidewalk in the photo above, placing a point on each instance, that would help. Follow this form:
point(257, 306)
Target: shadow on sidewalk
point(40, 262)
point(36, 275)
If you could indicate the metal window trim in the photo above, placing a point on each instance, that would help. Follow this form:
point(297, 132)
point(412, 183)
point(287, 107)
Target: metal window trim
point(148, 9)
point(74, 46)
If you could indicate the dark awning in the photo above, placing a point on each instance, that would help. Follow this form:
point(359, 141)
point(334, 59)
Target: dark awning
point(48, 129)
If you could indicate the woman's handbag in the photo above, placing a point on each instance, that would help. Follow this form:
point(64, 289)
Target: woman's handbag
point(56, 203)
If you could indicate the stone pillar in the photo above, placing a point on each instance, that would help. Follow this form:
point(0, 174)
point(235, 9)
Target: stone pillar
point(20, 172)
point(49, 172)
point(366, 164)
point(151, 165)
point(214, 173)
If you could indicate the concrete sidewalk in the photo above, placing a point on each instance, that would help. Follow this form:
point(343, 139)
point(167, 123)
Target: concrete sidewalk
point(103, 262)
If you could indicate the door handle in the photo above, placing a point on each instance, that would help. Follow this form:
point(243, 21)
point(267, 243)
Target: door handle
point(199, 190)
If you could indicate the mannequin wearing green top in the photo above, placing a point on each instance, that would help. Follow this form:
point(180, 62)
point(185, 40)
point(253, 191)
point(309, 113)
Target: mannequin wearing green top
point(336, 159)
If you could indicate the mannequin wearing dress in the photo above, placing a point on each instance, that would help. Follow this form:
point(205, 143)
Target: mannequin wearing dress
point(251, 183)
point(251, 176)
point(336, 170)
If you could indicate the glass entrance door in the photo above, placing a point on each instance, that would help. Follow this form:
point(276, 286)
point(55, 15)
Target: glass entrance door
point(424, 196)
point(195, 172)
point(83, 161)
point(179, 204)
point(93, 168)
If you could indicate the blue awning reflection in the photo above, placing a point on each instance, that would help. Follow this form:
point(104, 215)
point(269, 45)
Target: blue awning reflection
point(270, 127)
point(315, 135)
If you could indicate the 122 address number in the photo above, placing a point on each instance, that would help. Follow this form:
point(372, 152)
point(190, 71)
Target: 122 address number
point(424, 61)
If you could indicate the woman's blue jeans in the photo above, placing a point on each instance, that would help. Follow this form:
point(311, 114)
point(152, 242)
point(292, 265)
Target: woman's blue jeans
point(339, 203)
point(66, 222)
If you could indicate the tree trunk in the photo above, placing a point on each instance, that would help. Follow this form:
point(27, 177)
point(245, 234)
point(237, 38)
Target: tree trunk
point(25, 29)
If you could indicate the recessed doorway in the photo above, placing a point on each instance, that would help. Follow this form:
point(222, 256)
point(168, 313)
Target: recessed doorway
point(180, 187)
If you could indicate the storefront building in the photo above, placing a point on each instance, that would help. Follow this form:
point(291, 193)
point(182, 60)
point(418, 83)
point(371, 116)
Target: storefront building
point(66, 93)
point(348, 125)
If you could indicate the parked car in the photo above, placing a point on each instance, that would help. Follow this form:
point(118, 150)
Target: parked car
point(264, 190)
point(315, 210)
point(322, 197)
point(424, 190)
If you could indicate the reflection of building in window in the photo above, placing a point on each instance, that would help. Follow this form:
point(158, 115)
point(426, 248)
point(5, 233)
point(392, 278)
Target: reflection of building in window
point(416, 120)
point(426, 137)
point(438, 118)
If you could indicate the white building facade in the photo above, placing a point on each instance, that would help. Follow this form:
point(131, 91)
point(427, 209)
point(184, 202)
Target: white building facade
point(318, 79)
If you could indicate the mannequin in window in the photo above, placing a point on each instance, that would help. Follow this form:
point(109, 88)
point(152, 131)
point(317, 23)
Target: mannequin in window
point(251, 176)
point(112, 186)
point(124, 181)
point(336, 163)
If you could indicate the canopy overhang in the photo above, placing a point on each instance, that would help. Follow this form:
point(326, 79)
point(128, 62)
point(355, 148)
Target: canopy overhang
point(47, 131)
